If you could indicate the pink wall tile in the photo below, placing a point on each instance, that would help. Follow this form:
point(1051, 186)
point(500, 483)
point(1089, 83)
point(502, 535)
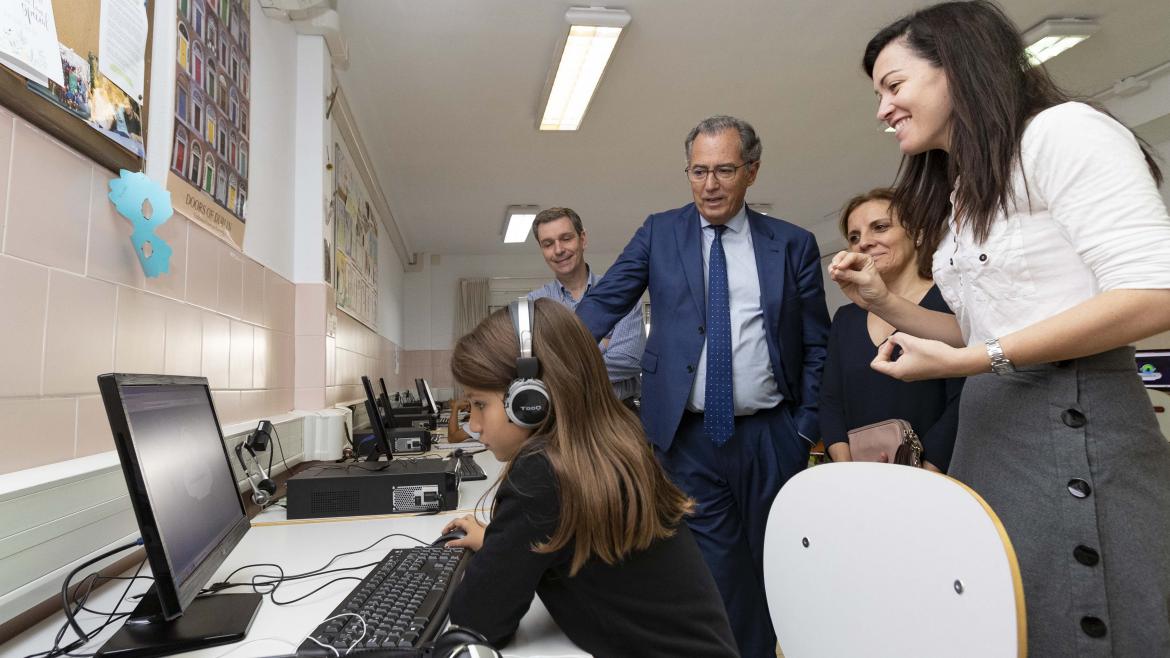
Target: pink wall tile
point(253, 405)
point(6, 126)
point(231, 282)
point(173, 284)
point(331, 312)
point(330, 361)
point(333, 395)
point(184, 348)
point(141, 336)
point(48, 205)
point(254, 309)
point(216, 357)
point(280, 401)
point(261, 357)
point(240, 364)
point(111, 254)
point(310, 309)
point(202, 268)
point(24, 291)
point(79, 343)
point(93, 427)
point(279, 302)
point(309, 399)
point(227, 406)
point(310, 361)
point(36, 432)
point(283, 361)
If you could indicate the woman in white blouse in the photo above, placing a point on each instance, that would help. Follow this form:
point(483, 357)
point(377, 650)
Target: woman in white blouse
point(1052, 245)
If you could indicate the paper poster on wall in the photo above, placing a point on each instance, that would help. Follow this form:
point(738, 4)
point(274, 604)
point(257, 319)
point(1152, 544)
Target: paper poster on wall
point(28, 40)
point(355, 241)
point(209, 156)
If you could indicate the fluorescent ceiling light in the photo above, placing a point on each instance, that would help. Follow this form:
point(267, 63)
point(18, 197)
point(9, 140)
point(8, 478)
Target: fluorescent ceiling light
point(518, 223)
point(593, 34)
point(1056, 35)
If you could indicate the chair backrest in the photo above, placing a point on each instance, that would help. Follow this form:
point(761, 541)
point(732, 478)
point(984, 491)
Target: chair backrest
point(864, 559)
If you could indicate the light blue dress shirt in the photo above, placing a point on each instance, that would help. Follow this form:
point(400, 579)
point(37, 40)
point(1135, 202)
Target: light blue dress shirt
point(623, 354)
point(754, 384)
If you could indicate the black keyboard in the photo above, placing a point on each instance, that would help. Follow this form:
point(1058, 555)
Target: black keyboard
point(403, 602)
point(468, 469)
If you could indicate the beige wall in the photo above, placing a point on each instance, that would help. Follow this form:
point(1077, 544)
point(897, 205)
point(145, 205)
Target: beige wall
point(74, 303)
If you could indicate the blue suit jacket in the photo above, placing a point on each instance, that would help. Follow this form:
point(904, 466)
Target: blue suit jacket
point(666, 256)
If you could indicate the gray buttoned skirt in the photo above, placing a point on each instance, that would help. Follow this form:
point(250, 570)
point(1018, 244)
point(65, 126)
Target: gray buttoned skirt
point(1070, 457)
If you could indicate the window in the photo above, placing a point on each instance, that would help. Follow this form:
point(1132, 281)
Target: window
point(210, 86)
point(222, 143)
point(184, 8)
point(198, 19)
point(180, 156)
point(221, 187)
point(231, 196)
point(244, 160)
point(209, 175)
point(225, 11)
point(235, 68)
point(181, 103)
point(223, 51)
point(235, 107)
point(210, 126)
point(196, 163)
point(221, 95)
point(240, 202)
point(243, 122)
point(184, 47)
point(197, 63)
point(212, 37)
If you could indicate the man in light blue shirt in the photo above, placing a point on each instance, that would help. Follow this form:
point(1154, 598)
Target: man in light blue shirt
point(562, 241)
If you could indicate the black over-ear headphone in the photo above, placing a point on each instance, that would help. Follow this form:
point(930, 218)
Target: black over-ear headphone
point(527, 403)
point(263, 488)
point(458, 642)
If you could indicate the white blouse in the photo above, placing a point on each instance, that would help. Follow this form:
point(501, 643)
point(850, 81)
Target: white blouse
point(1095, 222)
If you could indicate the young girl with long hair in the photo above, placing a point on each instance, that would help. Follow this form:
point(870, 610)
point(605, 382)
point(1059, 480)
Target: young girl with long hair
point(1048, 239)
point(584, 517)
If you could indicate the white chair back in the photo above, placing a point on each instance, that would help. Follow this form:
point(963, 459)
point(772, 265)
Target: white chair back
point(877, 560)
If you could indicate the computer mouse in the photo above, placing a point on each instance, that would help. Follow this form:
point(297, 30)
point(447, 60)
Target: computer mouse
point(457, 533)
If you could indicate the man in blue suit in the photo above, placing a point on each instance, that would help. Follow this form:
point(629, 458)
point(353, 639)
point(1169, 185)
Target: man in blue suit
point(732, 367)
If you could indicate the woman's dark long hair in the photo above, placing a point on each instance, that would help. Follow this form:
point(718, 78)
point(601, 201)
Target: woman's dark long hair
point(994, 92)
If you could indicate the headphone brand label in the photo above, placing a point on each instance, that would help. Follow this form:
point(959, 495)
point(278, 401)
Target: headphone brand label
point(535, 408)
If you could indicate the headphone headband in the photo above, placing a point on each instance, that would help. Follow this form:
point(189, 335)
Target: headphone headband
point(527, 402)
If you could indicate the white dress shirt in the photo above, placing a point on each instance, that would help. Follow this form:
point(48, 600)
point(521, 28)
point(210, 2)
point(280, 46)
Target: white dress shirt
point(754, 386)
point(1095, 222)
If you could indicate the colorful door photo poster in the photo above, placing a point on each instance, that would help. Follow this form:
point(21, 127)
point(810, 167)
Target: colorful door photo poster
point(355, 240)
point(80, 84)
point(209, 157)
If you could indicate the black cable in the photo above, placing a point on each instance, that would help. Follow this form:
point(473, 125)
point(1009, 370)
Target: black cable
point(281, 449)
point(70, 620)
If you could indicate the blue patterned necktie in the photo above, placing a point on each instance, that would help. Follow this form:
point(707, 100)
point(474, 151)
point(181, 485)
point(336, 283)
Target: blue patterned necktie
point(718, 412)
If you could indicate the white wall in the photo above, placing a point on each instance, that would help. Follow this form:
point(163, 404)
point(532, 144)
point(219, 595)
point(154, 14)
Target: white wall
point(391, 281)
point(312, 143)
point(431, 293)
point(269, 235)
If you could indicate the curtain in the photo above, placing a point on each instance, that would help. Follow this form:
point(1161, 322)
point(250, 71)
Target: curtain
point(474, 296)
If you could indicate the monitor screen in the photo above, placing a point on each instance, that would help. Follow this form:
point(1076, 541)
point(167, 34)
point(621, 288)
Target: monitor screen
point(377, 423)
point(424, 396)
point(180, 478)
point(1154, 368)
point(382, 383)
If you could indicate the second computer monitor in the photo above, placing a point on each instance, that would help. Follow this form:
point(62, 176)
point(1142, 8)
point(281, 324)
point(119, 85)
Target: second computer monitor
point(377, 423)
point(425, 396)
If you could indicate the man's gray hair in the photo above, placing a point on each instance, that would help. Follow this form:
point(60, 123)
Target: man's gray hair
point(749, 144)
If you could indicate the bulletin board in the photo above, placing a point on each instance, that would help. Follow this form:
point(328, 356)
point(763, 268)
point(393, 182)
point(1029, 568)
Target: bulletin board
point(88, 113)
point(355, 239)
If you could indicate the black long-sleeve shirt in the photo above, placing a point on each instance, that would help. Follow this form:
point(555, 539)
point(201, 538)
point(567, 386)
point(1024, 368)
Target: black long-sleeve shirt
point(854, 395)
point(657, 602)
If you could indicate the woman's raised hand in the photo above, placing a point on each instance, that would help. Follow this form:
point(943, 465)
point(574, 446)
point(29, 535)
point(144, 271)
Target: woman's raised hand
point(858, 278)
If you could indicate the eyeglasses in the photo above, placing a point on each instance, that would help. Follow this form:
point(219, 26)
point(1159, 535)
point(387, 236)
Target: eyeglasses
point(722, 172)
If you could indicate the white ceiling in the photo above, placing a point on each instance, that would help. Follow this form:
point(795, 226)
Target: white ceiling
point(445, 93)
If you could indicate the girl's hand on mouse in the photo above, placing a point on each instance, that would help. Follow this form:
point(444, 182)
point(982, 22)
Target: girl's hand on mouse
point(473, 528)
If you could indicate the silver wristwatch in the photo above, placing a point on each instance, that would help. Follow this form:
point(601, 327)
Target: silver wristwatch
point(1000, 364)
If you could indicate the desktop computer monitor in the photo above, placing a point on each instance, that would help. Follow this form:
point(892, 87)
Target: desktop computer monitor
point(189, 511)
point(425, 395)
point(1154, 368)
point(377, 423)
point(384, 396)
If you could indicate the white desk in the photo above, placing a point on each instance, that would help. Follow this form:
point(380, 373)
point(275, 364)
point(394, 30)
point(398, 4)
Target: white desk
point(300, 546)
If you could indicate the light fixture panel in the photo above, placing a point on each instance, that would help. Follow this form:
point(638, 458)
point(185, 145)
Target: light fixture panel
point(1056, 35)
point(583, 56)
point(518, 223)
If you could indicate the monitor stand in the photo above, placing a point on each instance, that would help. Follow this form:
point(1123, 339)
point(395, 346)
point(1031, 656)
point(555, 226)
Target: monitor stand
point(208, 621)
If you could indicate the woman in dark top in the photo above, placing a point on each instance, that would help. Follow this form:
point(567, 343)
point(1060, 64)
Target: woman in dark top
point(853, 394)
point(584, 517)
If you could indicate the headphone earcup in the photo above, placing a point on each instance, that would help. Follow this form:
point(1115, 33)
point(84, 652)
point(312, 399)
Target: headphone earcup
point(462, 643)
point(527, 404)
point(267, 486)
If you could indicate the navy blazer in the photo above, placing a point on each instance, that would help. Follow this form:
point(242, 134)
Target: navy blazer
point(666, 256)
